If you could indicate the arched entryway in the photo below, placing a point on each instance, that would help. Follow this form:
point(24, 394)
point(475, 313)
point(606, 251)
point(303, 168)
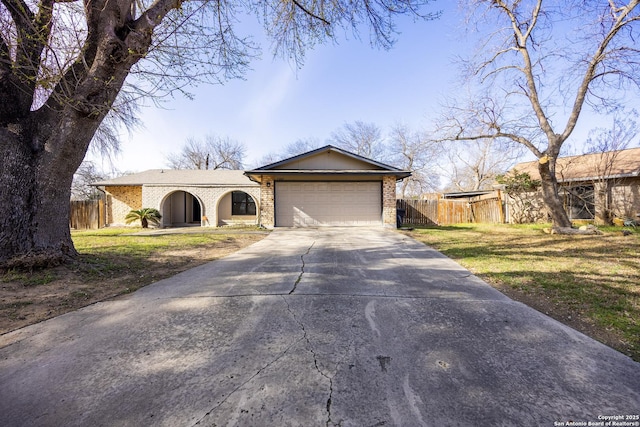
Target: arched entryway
point(237, 207)
point(181, 209)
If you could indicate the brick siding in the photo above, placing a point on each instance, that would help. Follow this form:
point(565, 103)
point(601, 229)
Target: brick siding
point(267, 202)
point(121, 200)
point(389, 201)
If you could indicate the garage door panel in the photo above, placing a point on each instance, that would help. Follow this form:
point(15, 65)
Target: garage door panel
point(304, 204)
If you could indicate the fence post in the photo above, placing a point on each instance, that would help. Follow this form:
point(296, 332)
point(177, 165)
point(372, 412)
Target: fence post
point(101, 213)
point(502, 216)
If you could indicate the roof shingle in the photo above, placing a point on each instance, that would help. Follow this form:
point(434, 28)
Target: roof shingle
point(588, 167)
point(172, 177)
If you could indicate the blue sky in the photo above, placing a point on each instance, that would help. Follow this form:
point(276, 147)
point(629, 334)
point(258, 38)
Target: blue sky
point(277, 104)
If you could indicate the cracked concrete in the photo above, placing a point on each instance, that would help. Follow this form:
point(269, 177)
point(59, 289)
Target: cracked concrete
point(327, 327)
point(295, 285)
point(240, 386)
point(310, 348)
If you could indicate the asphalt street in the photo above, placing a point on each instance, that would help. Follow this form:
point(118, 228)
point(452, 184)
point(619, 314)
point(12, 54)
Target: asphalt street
point(313, 327)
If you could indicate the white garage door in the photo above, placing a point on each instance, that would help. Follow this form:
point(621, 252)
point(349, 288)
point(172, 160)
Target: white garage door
point(304, 204)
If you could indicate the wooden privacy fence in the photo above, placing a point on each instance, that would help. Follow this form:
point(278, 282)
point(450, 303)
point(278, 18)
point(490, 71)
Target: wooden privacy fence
point(87, 214)
point(419, 212)
point(441, 211)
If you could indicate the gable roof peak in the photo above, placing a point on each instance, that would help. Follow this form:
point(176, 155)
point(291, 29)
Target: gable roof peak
point(326, 149)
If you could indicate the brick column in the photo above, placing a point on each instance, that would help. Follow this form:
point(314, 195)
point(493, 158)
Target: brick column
point(389, 201)
point(267, 202)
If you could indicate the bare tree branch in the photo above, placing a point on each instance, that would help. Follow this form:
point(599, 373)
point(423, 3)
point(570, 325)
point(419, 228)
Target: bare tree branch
point(211, 152)
point(416, 152)
point(621, 20)
point(364, 139)
point(308, 12)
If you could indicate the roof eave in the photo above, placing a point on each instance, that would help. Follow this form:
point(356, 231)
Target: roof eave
point(599, 178)
point(293, 172)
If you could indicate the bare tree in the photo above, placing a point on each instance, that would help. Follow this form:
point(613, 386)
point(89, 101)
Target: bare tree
point(293, 149)
point(618, 137)
point(364, 139)
point(87, 174)
point(540, 65)
point(211, 152)
point(415, 152)
point(66, 64)
point(474, 165)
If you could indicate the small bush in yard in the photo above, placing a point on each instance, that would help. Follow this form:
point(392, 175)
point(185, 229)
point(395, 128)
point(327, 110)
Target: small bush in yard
point(145, 216)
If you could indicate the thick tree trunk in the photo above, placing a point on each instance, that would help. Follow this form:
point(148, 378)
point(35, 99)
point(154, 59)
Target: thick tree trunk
point(34, 223)
point(551, 197)
point(17, 178)
point(37, 167)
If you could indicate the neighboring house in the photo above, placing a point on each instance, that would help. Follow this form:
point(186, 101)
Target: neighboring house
point(597, 186)
point(323, 187)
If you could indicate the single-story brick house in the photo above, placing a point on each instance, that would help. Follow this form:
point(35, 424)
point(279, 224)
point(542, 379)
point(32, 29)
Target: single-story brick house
point(596, 186)
point(324, 187)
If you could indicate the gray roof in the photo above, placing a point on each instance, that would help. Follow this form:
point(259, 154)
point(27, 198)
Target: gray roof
point(326, 148)
point(171, 177)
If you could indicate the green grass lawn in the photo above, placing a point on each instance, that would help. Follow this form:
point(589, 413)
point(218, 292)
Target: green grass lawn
point(117, 248)
point(591, 283)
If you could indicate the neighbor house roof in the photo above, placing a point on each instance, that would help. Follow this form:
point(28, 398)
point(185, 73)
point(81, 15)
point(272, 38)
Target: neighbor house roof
point(589, 167)
point(171, 177)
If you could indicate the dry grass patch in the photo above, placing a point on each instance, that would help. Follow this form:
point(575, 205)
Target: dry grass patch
point(112, 262)
point(591, 283)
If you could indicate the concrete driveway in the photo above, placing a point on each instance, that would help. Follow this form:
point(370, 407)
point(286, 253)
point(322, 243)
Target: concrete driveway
point(313, 327)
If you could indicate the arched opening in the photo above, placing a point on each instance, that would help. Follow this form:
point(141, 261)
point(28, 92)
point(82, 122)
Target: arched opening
point(237, 207)
point(181, 209)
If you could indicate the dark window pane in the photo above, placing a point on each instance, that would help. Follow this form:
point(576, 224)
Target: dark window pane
point(580, 201)
point(242, 204)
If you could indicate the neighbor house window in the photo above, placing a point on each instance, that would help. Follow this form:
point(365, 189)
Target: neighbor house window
point(243, 204)
point(580, 201)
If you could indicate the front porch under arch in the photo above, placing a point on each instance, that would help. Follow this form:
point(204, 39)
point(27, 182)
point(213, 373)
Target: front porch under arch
point(181, 209)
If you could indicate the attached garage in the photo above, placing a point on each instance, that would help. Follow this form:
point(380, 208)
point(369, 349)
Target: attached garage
point(327, 187)
point(326, 203)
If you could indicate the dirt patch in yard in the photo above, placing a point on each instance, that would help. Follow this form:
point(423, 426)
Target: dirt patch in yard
point(569, 316)
point(31, 297)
